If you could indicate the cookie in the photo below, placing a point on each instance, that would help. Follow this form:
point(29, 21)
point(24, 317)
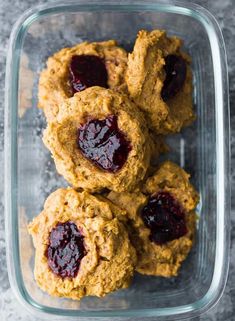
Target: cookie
point(100, 141)
point(74, 69)
point(159, 80)
point(82, 246)
point(162, 220)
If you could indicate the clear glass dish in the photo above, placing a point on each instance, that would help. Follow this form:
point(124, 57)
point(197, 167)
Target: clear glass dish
point(203, 149)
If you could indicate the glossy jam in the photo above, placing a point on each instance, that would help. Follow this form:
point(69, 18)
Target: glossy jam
point(87, 71)
point(164, 217)
point(103, 143)
point(175, 69)
point(65, 250)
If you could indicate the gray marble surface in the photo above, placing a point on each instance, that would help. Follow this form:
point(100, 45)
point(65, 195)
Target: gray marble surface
point(224, 11)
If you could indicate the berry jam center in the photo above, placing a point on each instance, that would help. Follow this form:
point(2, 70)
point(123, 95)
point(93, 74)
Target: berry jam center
point(65, 250)
point(175, 69)
point(103, 143)
point(87, 71)
point(164, 217)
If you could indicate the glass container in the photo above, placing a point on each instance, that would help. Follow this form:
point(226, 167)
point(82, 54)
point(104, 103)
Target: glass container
point(202, 149)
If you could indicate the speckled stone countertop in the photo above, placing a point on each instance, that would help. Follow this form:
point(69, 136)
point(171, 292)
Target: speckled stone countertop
point(224, 11)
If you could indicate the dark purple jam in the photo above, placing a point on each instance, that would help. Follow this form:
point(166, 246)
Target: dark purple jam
point(164, 217)
point(65, 250)
point(175, 69)
point(103, 143)
point(87, 71)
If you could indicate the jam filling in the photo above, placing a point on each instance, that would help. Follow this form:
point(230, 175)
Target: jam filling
point(164, 217)
point(87, 71)
point(103, 143)
point(65, 250)
point(175, 69)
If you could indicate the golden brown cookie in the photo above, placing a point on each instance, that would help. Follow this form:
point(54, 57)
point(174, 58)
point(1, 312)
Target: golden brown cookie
point(82, 248)
point(152, 90)
point(54, 83)
point(162, 220)
point(100, 141)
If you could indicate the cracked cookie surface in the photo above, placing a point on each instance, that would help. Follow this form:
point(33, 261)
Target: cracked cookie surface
point(54, 82)
point(106, 263)
point(100, 140)
point(153, 258)
point(146, 79)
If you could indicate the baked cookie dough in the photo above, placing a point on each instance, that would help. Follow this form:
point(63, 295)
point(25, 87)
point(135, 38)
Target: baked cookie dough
point(100, 141)
point(159, 80)
point(166, 195)
point(82, 246)
point(54, 81)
